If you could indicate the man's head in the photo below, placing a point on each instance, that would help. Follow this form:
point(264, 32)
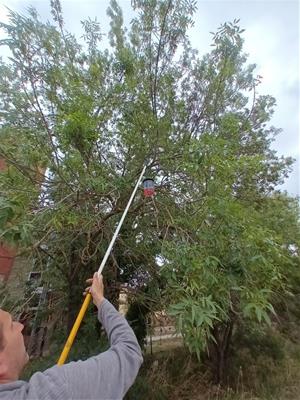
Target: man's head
point(13, 355)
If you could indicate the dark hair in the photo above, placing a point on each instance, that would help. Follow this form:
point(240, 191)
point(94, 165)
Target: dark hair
point(1, 337)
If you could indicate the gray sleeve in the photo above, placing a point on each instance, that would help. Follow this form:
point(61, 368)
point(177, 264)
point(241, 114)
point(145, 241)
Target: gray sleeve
point(47, 385)
point(108, 375)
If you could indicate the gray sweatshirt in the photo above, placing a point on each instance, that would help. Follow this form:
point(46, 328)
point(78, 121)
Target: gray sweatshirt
point(106, 376)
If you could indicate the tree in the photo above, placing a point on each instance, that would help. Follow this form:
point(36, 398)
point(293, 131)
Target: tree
point(87, 118)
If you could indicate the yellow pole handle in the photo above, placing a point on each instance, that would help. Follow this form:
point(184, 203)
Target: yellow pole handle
point(74, 330)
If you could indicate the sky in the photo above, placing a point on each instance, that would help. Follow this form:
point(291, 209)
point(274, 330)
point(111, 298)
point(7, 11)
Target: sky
point(271, 40)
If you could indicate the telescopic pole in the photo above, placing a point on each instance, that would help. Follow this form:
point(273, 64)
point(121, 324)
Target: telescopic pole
point(87, 299)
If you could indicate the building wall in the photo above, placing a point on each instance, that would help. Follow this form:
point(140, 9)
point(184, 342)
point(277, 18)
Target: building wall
point(2, 164)
point(14, 272)
point(16, 282)
point(7, 256)
point(7, 253)
point(123, 302)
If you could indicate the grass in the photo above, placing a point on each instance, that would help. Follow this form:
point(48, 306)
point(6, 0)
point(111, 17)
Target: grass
point(163, 380)
point(266, 368)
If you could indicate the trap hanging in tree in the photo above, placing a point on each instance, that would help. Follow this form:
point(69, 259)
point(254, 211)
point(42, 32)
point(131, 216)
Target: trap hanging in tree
point(148, 185)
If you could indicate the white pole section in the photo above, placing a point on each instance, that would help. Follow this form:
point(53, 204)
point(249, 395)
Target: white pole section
point(120, 223)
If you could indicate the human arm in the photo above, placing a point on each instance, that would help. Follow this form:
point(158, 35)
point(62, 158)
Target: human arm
point(110, 374)
point(106, 376)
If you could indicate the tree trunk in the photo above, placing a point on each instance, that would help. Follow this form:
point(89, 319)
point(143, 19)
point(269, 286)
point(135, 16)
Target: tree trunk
point(220, 350)
point(73, 295)
point(72, 309)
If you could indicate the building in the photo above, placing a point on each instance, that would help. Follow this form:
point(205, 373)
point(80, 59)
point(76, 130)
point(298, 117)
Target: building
point(7, 258)
point(7, 254)
point(18, 276)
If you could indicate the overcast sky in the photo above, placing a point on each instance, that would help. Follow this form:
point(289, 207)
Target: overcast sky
point(271, 40)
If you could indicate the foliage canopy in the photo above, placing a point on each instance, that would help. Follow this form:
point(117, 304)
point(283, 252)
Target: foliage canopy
point(77, 123)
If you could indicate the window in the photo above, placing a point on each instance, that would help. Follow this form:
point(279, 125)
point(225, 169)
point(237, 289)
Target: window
point(34, 276)
point(34, 289)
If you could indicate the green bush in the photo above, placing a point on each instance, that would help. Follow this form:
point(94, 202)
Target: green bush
point(144, 389)
point(259, 341)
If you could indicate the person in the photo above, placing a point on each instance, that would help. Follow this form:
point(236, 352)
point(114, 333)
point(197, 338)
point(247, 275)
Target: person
point(106, 376)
